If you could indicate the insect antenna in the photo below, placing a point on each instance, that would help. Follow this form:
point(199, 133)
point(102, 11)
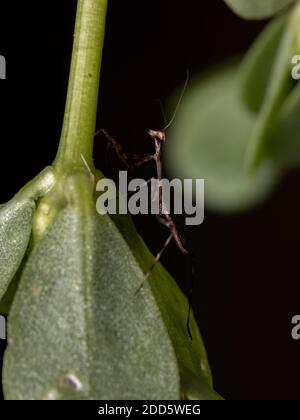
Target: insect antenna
point(167, 125)
point(162, 112)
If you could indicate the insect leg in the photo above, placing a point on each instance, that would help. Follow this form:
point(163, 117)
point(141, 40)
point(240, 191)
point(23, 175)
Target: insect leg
point(157, 258)
point(113, 144)
point(167, 221)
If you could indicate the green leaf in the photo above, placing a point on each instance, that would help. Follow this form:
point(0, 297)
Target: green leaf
point(15, 229)
point(278, 89)
point(285, 145)
point(80, 326)
point(16, 218)
point(209, 140)
point(8, 297)
point(195, 375)
point(258, 9)
point(259, 63)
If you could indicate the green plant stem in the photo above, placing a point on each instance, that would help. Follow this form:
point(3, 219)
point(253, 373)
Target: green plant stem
point(81, 106)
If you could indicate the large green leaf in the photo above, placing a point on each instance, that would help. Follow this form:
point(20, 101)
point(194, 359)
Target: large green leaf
point(209, 140)
point(258, 64)
point(78, 328)
point(15, 229)
point(258, 9)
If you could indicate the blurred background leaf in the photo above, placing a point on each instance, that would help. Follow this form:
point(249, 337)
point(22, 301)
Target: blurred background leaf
point(209, 139)
point(258, 9)
point(285, 145)
point(278, 86)
point(258, 64)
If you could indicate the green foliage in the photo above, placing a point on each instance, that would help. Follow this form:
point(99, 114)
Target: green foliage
point(16, 218)
point(91, 332)
point(277, 88)
point(209, 140)
point(258, 64)
point(195, 376)
point(15, 229)
point(238, 126)
point(258, 9)
point(285, 145)
point(8, 297)
point(80, 324)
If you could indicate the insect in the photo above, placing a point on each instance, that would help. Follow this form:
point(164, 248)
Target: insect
point(132, 162)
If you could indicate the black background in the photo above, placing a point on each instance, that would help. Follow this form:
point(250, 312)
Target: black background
point(247, 265)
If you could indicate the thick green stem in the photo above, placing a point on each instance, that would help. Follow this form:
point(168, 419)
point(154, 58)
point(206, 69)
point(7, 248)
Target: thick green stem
point(81, 106)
